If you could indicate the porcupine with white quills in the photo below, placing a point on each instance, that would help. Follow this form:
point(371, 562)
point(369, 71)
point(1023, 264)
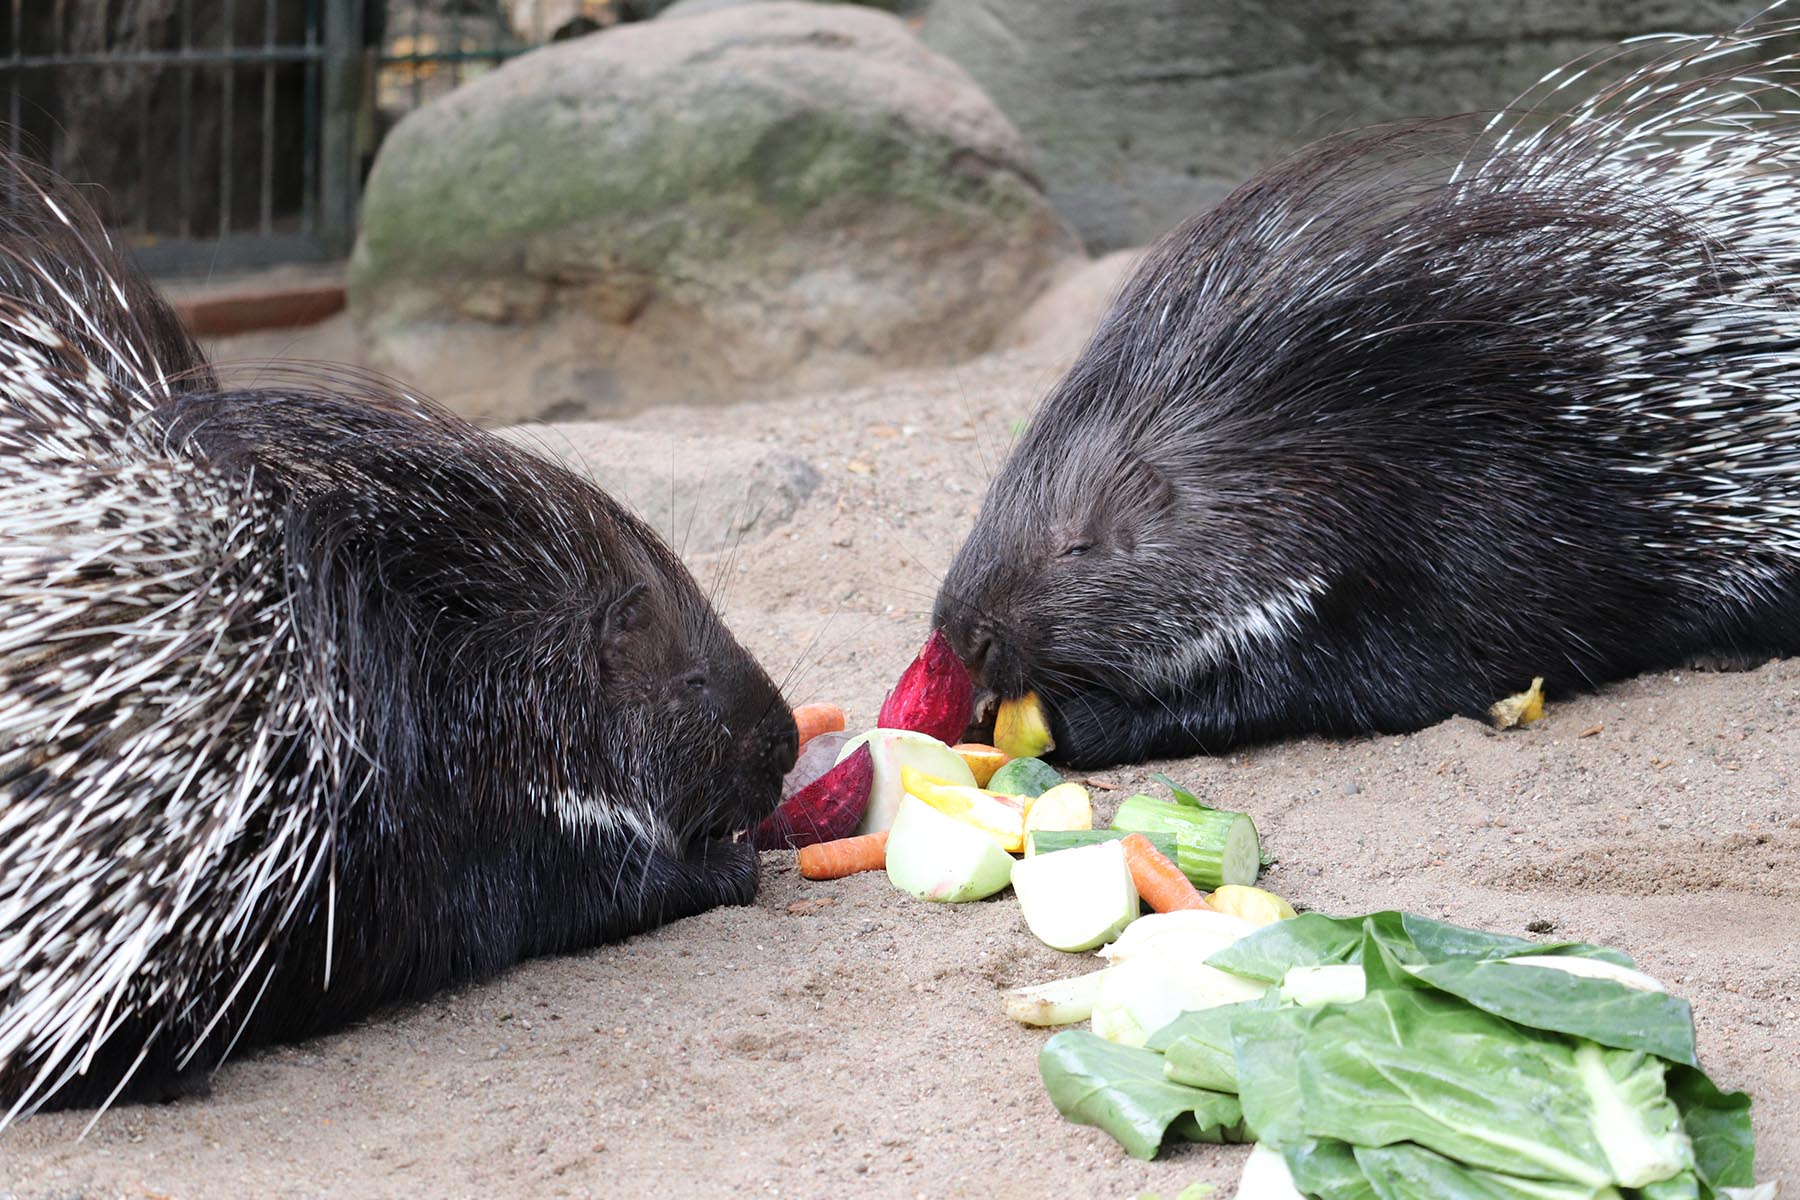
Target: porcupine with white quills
point(313, 697)
point(1418, 415)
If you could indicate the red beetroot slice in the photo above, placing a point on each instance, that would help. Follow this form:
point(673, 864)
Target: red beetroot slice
point(824, 810)
point(935, 696)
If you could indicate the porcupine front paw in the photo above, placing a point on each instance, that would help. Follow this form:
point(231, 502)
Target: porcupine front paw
point(710, 873)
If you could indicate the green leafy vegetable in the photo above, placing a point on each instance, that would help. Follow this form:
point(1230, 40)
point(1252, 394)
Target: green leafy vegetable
point(1327, 1169)
point(1422, 1066)
point(1408, 1172)
point(1181, 794)
point(1606, 1012)
point(1196, 1046)
point(1719, 1124)
point(1313, 939)
point(1121, 1089)
point(1459, 1075)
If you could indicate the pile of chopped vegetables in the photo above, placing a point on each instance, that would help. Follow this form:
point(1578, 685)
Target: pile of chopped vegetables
point(1377, 1057)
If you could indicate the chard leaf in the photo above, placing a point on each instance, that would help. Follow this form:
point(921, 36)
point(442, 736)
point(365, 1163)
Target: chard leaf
point(1407, 1172)
point(1685, 1186)
point(1719, 1124)
point(1267, 1047)
point(1327, 1169)
point(1602, 1010)
point(1196, 1046)
point(1312, 939)
point(1121, 1090)
point(1308, 940)
point(1182, 795)
point(1437, 941)
point(1424, 1066)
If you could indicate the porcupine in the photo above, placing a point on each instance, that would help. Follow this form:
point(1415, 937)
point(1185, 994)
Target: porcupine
point(1418, 415)
point(314, 697)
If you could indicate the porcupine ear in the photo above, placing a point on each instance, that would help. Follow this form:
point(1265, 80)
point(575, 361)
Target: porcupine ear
point(1144, 489)
point(623, 625)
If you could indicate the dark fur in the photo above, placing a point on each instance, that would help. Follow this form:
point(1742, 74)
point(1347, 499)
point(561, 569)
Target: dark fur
point(1397, 430)
point(481, 632)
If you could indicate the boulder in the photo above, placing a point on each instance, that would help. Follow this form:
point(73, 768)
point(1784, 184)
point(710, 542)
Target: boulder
point(689, 210)
point(701, 492)
point(1144, 112)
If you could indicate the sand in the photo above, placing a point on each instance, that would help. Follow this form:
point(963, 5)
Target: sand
point(842, 1039)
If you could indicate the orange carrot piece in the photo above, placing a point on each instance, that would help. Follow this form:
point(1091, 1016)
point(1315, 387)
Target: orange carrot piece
point(1160, 883)
point(814, 719)
point(845, 856)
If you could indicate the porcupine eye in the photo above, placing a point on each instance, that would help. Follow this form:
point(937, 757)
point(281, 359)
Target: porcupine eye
point(1075, 549)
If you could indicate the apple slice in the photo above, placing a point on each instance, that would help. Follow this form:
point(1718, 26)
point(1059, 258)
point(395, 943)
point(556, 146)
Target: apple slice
point(1001, 817)
point(936, 857)
point(1021, 727)
point(893, 749)
point(1076, 899)
point(982, 760)
point(1063, 807)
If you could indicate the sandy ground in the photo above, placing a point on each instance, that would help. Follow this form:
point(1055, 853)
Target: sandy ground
point(843, 1039)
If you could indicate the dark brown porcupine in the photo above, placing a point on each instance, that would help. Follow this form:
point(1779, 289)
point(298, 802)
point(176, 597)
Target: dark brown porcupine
point(1374, 442)
point(314, 697)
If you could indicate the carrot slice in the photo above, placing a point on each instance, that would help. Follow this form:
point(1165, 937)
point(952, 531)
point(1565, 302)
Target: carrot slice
point(1160, 883)
point(845, 856)
point(814, 719)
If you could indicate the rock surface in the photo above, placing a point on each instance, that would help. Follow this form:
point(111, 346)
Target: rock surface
point(1144, 112)
point(685, 210)
point(701, 492)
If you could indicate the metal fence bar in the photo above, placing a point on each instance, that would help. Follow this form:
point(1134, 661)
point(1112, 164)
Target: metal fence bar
point(187, 56)
point(185, 143)
point(266, 210)
point(227, 113)
point(309, 123)
point(337, 129)
point(320, 82)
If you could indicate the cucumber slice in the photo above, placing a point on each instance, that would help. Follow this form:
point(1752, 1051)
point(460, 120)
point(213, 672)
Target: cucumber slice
point(1024, 777)
point(1213, 846)
point(1048, 841)
point(1225, 850)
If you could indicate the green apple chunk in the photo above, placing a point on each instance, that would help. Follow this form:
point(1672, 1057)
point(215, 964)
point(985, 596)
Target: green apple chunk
point(937, 857)
point(896, 748)
point(1076, 899)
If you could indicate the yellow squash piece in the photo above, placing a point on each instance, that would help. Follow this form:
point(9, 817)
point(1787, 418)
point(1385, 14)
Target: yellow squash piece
point(1000, 817)
point(1521, 709)
point(1063, 807)
point(1021, 729)
point(1253, 904)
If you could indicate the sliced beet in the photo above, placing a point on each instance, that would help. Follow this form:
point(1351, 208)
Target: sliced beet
point(935, 695)
point(824, 810)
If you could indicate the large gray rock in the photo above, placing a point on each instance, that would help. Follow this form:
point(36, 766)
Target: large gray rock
point(682, 210)
point(701, 492)
point(1144, 112)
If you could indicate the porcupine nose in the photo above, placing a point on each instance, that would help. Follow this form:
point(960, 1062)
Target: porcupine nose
point(783, 740)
